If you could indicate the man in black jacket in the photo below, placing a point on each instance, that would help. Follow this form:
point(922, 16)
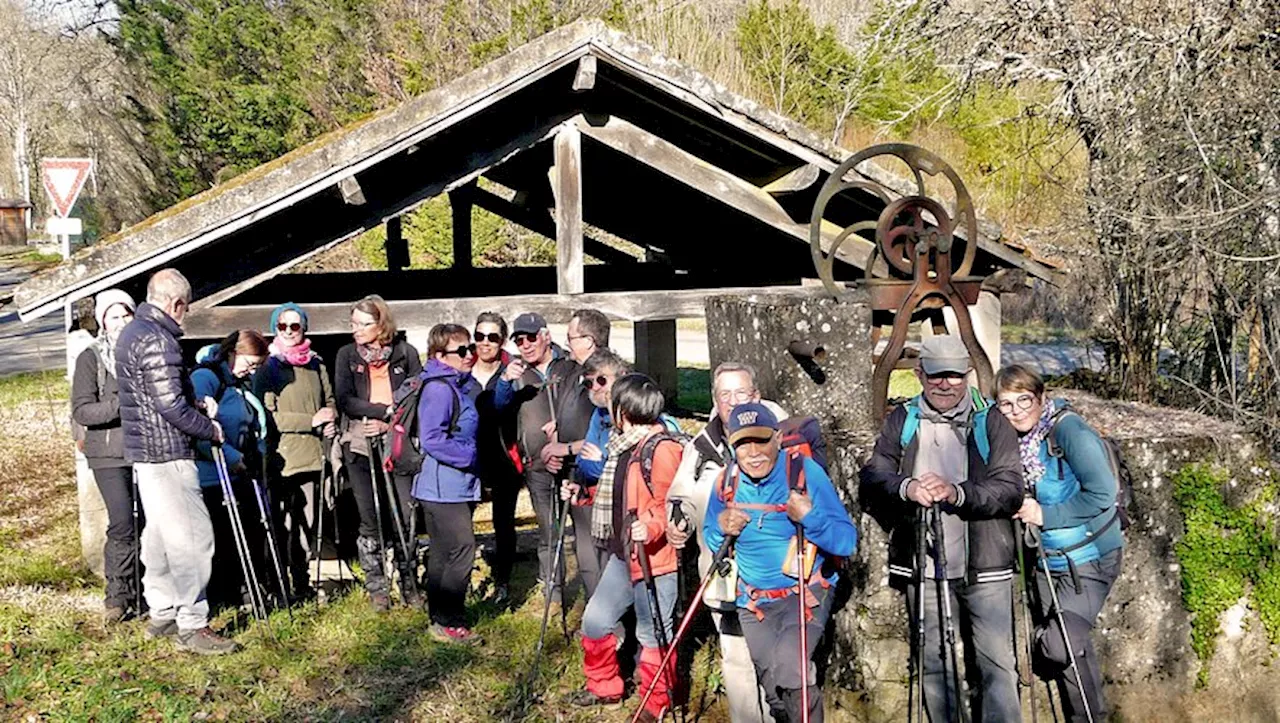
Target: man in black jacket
point(944, 450)
point(554, 410)
point(161, 423)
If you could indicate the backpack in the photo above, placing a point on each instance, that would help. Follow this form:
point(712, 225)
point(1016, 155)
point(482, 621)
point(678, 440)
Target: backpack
point(404, 446)
point(978, 423)
point(650, 448)
point(1119, 469)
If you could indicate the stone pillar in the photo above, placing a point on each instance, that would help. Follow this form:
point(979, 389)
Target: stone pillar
point(656, 354)
point(868, 632)
point(93, 510)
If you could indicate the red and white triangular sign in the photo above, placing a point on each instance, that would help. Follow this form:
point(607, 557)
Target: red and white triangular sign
point(63, 179)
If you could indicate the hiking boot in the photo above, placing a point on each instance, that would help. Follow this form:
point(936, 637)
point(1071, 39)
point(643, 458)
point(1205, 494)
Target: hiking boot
point(501, 594)
point(157, 629)
point(206, 642)
point(380, 601)
point(646, 717)
point(448, 634)
point(585, 699)
point(112, 614)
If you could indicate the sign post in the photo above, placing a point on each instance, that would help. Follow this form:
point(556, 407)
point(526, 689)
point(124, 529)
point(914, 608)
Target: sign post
point(63, 179)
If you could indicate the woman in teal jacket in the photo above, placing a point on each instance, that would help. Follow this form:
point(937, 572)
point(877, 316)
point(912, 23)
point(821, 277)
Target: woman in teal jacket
point(224, 374)
point(1072, 487)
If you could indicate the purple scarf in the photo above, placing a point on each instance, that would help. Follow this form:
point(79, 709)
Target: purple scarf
point(1029, 445)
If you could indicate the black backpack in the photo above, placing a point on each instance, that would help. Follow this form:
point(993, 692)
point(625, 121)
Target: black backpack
point(1119, 469)
point(404, 446)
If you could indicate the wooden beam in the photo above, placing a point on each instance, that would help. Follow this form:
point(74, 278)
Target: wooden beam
point(655, 345)
point(421, 314)
point(460, 201)
point(397, 248)
point(798, 180)
point(566, 186)
point(585, 77)
point(716, 183)
point(352, 194)
point(539, 221)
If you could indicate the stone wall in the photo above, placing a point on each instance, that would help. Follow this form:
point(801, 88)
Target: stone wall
point(1144, 630)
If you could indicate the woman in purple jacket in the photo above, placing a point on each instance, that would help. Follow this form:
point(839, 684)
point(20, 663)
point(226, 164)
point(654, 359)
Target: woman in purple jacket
point(448, 485)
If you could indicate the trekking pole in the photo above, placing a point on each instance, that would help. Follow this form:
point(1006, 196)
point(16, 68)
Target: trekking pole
point(137, 548)
point(719, 566)
point(318, 515)
point(944, 591)
point(655, 608)
point(1034, 534)
point(1030, 683)
point(242, 543)
point(916, 693)
point(546, 606)
point(409, 557)
point(679, 519)
point(803, 587)
point(377, 505)
point(260, 494)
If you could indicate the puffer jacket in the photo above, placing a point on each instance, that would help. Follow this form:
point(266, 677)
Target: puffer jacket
point(95, 405)
point(447, 426)
point(991, 494)
point(157, 405)
point(531, 394)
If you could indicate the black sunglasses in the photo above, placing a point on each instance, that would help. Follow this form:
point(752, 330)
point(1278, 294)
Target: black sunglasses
point(492, 337)
point(591, 383)
point(462, 351)
point(521, 337)
point(295, 326)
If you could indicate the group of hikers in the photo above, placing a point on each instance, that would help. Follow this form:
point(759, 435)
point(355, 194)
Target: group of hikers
point(971, 499)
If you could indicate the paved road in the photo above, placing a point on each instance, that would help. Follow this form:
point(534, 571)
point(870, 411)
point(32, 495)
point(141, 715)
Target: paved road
point(31, 347)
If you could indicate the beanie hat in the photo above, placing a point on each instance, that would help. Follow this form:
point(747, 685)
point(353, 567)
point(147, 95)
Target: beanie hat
point(107, 299)
point(287, 306)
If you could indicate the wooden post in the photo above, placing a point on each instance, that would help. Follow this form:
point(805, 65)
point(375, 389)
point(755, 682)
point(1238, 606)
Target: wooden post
point(566, 186)
point(397, 247)
point(656, 354)
point(460, 201)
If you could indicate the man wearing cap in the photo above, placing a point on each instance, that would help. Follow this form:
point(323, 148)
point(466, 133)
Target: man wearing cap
point(762, 498)
point(943, 450)
point(553, 410)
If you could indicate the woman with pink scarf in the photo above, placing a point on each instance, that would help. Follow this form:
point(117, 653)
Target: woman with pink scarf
point(295, 388)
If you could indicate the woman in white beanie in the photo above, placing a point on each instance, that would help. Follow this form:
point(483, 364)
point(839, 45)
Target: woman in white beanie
point(95, 406)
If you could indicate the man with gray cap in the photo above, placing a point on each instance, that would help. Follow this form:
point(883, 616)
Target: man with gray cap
point(942, 453)
point(544, 384)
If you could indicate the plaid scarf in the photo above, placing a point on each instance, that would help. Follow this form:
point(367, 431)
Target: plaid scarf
point(374, 356)
point(602, 507)
point(1029, 446)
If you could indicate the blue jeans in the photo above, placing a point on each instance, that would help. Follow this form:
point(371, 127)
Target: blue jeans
point(615, 593)
point(983, 620)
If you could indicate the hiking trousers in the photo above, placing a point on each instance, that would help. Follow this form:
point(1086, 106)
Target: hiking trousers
point(774, 642)
point(177, 543)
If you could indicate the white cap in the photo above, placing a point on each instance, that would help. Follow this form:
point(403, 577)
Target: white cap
point(942, 354)
point(107, 299)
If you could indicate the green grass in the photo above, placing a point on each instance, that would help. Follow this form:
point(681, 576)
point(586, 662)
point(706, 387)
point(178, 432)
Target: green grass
point(694, 393)
point(339, 661)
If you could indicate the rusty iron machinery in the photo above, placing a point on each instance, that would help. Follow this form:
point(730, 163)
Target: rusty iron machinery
point(910, 269)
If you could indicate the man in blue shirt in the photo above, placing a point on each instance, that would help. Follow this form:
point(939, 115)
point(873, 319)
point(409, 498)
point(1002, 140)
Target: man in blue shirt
point(760, 501)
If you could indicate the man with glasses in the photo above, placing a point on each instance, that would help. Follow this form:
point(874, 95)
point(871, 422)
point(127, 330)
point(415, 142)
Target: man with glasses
point(705, 457)
point(552, 413)
point(942, 453)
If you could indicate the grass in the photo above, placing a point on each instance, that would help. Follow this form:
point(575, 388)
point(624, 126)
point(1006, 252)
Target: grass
point(339, 661)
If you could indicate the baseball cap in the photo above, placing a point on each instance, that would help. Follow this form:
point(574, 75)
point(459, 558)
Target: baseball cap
point(752, 420)
point(944, 354)
point(528, 323)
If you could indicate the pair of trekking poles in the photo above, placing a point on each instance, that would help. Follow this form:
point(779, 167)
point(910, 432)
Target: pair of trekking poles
point(407, 539)
point(930, 519)
point(257, 598)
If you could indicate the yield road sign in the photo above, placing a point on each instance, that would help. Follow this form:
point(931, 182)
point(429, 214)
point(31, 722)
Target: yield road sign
point(63, 178)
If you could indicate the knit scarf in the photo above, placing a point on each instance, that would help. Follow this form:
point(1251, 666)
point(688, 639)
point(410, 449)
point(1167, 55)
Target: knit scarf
point(107, 352)
point(1029, 445)
point(298, 355)
point(602, 507)
point(374, 356)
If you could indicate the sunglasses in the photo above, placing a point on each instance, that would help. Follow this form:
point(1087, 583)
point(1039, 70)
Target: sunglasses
point(492, 337)
point(939, 380)
point(521, 337)
point(593, 382)
point(295, 326)
point(462, 351)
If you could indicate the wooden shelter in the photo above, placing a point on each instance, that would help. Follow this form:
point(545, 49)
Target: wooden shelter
point(13, 221)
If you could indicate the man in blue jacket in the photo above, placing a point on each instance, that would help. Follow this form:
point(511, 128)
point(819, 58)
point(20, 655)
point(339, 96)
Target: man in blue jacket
point(760, 501)
point(161, 423)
